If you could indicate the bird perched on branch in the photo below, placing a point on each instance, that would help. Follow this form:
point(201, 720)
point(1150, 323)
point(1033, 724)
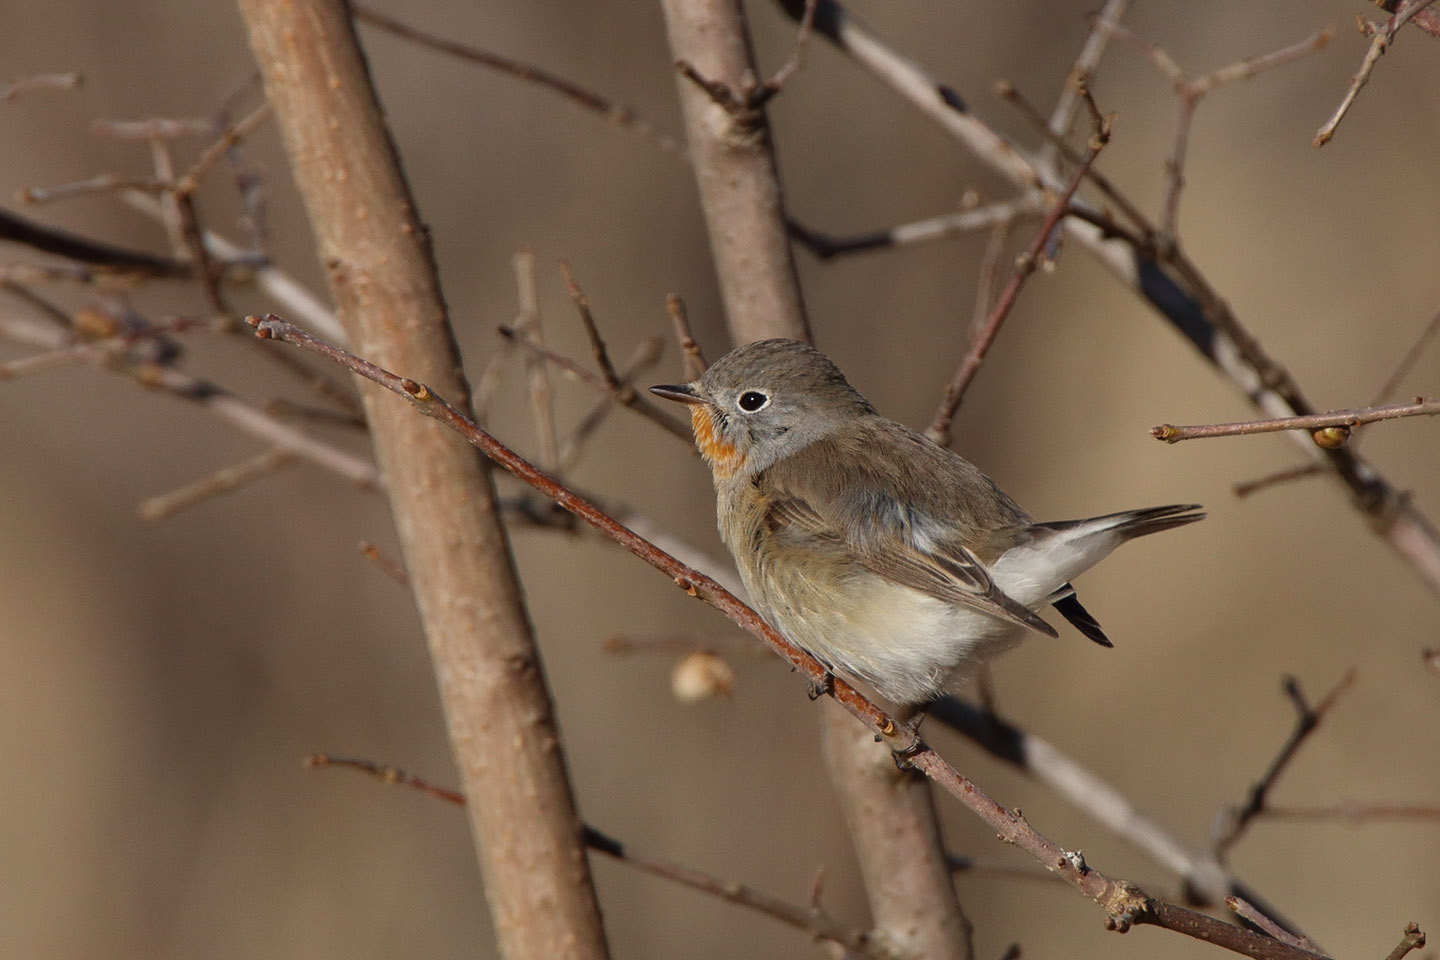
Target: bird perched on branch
point(883, 554)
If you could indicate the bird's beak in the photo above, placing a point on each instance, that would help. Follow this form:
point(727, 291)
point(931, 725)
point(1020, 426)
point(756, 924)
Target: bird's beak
point(683, 392)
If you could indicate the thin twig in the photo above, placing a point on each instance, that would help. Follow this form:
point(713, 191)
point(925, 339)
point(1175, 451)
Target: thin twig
point(1191, 92)
point(939, 429)
point(794, 62)
point(1407, 362)
point(386, 773)
point(39, 81)
point(393, 569)
point(618, 114)
point(1419, 407)
point(986, 288)
point(809, 918)
point(587, 320)
point(229, 137)
point(220, 482)
point(1068, 103)
point(1232, 821)
point(1355, 812)
point(528, 326)
point(1169, 282)
point(1247, 487)
point(47, 360)
point(1381, 41)
point(1248, 912)
point(1124, 903)
point(826, 246)
point(151, 128)
point(104, 183)
point(1412, 939)
point(626, 396)
point(1011, 95)
point(100, 255)
point(1205, 880)
point(647, 354)
point(692, 358)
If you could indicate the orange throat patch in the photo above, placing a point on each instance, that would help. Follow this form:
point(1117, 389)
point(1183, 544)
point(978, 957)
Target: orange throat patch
point(722, 456)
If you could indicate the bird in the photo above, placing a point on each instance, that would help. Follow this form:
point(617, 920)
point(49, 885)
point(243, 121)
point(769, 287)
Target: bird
point(885, 555)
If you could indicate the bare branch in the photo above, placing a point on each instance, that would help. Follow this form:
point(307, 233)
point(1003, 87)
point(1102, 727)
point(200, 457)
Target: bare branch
point(1412, 939)
point(618, 114)
point(810, 919)
point(627, 396)
point(1348, 419)
point(39, 81)
point(1231, 822)
point(587, 320)
point(1248, 912)
point(694, 360)
point(1026, 263)
point(218, 483)
point(1407, 362)
point(528, 327)
point(1124, 903)
point(1383, 37)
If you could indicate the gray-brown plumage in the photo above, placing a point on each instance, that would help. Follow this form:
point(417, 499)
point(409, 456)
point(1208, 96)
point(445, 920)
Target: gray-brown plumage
point(883, 554)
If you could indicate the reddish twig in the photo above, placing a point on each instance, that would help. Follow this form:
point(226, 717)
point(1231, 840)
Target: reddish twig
point(939, 429)
point(587, 320)
point(1124, 903)
point(386, 773)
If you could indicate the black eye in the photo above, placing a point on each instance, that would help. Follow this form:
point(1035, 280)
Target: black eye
point(752, 400)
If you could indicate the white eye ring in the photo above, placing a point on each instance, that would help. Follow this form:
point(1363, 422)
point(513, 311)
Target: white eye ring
point(752, 401)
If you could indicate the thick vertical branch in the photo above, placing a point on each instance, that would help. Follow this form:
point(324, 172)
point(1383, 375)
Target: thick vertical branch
point(893, 824)
point(891, 817)
point(382, 278)
point(735, 170)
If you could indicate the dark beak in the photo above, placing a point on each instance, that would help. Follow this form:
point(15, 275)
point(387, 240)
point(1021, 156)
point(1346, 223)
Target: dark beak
point(683, 392)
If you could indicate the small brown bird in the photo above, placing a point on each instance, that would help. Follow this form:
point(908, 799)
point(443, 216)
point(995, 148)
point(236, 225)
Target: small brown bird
point(883, 554)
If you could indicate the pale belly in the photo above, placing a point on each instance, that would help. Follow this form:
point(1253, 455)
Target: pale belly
point(908, 645)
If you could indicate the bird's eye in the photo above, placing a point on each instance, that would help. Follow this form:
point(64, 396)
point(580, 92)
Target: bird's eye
point(752, 400)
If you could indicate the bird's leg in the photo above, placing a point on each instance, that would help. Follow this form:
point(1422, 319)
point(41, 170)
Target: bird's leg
point(909, 735)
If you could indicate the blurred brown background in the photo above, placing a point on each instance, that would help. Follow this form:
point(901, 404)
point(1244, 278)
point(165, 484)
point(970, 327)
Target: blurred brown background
point(159, 684)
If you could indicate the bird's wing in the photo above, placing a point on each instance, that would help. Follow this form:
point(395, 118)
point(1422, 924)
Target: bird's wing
point(886, 542)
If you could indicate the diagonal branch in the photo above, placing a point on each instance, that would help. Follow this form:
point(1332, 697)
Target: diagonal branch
point(1125, 904)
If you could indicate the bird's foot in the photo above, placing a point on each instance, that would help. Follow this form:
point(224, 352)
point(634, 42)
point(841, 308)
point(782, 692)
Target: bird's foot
point(822, 687)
